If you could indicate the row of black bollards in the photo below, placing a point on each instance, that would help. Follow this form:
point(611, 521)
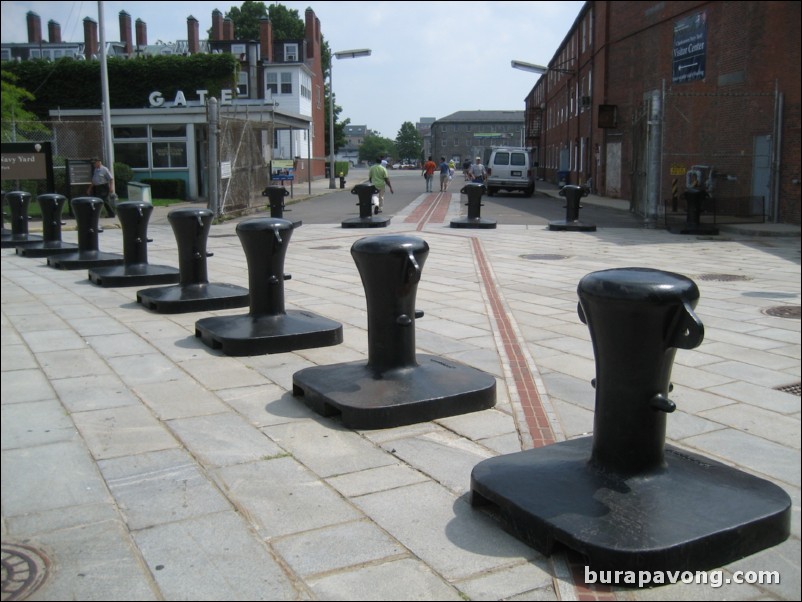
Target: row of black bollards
point(622, 497)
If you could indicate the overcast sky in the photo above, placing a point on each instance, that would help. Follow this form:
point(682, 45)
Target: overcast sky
point(430, 59)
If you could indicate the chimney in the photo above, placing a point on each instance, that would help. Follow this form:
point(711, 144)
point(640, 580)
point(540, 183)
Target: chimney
point(141, 33)
point(90, 38)
point(266, 39)
point(217, 25)
point(312, 41)
point(34, 28)
point(228, 29)
point(53, 32)
point(126, 36)
point(193, 35)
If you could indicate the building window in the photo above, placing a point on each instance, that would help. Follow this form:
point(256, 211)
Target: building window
point(306, 86)
point(133, 154)
point(148, 147)
point(271, 84)
point(169, 154)
point(242, 84)
point(286, 83)
point(168, 131)
point(291, 53)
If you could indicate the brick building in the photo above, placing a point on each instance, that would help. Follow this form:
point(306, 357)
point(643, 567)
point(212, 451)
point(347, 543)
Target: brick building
point(642, 96)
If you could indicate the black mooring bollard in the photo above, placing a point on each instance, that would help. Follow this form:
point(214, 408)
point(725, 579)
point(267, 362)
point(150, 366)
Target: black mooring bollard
point(276, 196)
point(193, 292)
point(366, 217)
point(395, 387)
point(694, 197)
point(88, 255)
point(18, 203)
point(268, 327)
point(5, 233)
point(135, 271)
point(474, 219)
point(51, 205)
point(622, 498)
point(572, 194)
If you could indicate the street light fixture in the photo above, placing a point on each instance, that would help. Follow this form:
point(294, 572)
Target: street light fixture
point(531, 67)
point(344, 54)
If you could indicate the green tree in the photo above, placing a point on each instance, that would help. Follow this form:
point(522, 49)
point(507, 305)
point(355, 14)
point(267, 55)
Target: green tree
point(375, 146)
point(287, 23)
point(17, 123)
point(408, 142)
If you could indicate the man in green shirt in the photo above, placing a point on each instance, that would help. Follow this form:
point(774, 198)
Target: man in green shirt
point(380, 179)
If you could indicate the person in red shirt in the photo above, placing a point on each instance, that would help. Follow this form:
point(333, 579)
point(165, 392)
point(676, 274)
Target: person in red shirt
point(428, 173)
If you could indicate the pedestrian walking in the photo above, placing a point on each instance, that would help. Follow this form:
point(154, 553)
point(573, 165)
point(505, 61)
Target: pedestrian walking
point(428, 172)
point(380, 179)
point(444, 172)
point(102, 185)
point(478, 172)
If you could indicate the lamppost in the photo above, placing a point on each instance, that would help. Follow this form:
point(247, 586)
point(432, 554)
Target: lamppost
point(344, 54)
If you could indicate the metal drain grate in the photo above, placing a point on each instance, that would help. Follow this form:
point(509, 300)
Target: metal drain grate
point(325, 248)
point(795, 389)
point(24, 570)
point(544, 257)
point(784, 311)
point(723, 277)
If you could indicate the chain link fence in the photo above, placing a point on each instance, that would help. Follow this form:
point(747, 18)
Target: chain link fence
point(242, 147)
point(69, 139)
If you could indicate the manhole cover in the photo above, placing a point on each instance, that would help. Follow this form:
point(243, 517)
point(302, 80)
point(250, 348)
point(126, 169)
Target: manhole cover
point(795, 389)
point(783, 311)
point(24, 570)
point(544, 257)
point(723, 277)
point(325, 248)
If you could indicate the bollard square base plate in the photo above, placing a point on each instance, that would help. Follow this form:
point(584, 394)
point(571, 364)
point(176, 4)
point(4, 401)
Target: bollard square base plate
point(193, 297)
point(694, 514)
point(47, 248)
point(701, 229)
point(84, 260)
point(571, 226)
point(134, 274)
point(20, 240)
point(473, 222)
point(257, 335)
point(364, 399)
point(373, 221)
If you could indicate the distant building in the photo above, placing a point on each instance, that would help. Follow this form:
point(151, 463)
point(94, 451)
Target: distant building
point(465, 134)
point(354, 137)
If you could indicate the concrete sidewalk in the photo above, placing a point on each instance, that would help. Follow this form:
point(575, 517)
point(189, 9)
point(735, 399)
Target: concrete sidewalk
point(138, 463)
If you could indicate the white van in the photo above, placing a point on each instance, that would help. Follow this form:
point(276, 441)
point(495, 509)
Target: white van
point(510, 168)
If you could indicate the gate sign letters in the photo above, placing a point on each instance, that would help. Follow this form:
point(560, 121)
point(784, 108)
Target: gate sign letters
point(690, 43)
